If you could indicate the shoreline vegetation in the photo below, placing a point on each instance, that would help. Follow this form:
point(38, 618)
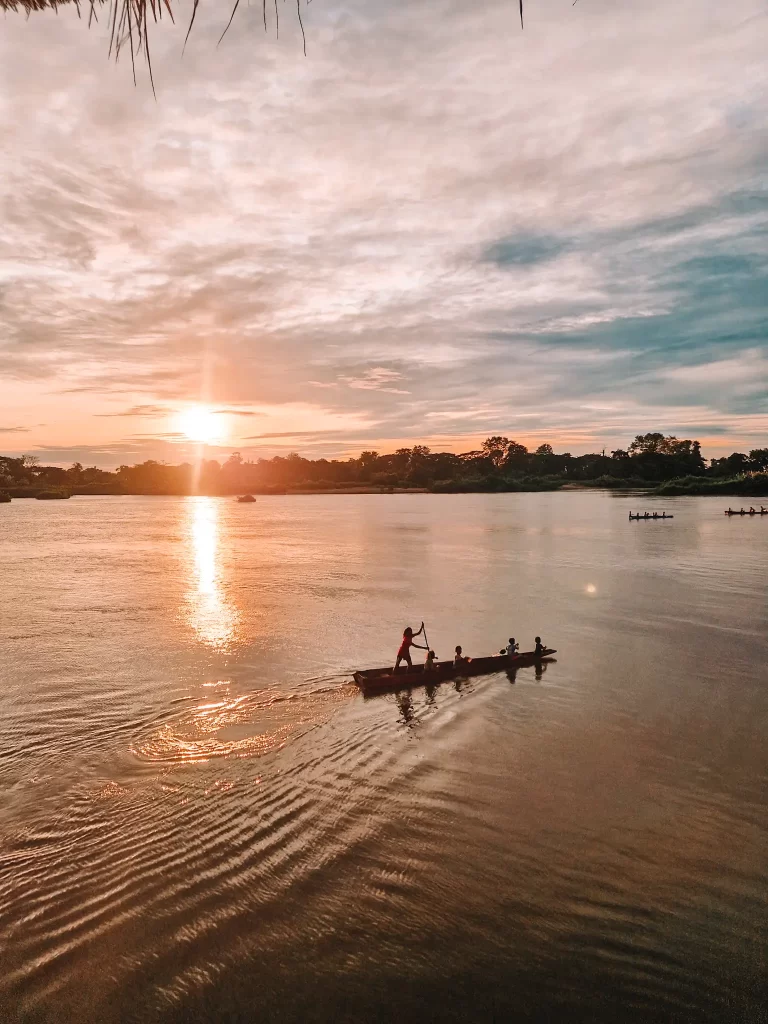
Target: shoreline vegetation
point(653, 463)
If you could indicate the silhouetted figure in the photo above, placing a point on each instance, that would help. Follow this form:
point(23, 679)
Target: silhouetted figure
point(429, 664)
point(458, 658)
point(404, 652)
point(539, 649)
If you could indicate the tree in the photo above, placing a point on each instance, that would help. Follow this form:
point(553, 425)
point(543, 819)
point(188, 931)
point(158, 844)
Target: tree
point(494, 444)
point(367, 462)
point(516, 457)
point(758, 459)
point(733, 465)
point(645, 444)
point(544, 449)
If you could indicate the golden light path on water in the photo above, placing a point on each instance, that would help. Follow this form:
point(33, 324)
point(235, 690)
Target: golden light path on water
point(225, 722)
point(213, 617)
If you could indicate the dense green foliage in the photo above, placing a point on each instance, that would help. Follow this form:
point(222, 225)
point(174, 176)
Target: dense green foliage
point(650, 460)
point(753, 485)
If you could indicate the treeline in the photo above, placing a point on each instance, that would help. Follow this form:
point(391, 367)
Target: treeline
point(500, 464)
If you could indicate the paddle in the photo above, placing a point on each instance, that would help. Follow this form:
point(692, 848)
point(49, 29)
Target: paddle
point(425, 636)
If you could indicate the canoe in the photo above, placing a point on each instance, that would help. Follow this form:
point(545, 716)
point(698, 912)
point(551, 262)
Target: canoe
point(651, 517)
point(373, 679)
point(739, 513)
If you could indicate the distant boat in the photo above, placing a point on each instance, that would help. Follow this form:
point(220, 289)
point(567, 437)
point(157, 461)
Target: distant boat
point(246, 497)
point(649, 515)
point(373, 679)
point(743, 512)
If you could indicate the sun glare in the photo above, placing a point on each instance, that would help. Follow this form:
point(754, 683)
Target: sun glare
point(201, 424)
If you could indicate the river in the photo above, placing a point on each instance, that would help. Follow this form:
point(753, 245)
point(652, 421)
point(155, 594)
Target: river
point(201, 818)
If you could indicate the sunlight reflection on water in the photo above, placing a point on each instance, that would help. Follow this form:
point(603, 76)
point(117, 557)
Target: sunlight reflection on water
point(213, 618)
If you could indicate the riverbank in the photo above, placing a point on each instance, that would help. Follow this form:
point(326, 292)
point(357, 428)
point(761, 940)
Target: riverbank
point(753, 485)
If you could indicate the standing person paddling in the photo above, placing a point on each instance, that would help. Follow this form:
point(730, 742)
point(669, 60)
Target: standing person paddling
point(404, 653)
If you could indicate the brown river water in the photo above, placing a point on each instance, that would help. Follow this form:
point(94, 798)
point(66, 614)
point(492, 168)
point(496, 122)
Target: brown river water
point(202, 819)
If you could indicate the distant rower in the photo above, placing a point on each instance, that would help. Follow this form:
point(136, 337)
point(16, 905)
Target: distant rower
point(539, 649)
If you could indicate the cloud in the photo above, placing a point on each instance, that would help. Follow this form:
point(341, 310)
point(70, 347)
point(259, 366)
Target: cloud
point(139, 410)
point(526, 250)
point(378, 378)
point(14, 430)
point(432, 220)
point(308, 434)
point(237, 412)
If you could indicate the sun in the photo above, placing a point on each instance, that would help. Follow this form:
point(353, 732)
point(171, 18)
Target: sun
point(201, 424)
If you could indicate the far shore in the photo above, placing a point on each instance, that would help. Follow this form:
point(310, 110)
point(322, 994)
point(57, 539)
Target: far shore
point(752, 487)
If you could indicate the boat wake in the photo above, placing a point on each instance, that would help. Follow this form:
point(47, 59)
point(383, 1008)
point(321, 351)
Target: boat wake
point(245, 725)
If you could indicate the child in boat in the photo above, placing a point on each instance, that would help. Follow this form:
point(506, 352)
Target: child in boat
point(429, 664)
point(458, 658)
point(539, 649)
point(404, 651)
point(512, 648)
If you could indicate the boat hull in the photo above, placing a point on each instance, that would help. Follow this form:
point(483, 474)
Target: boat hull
point(375, 679)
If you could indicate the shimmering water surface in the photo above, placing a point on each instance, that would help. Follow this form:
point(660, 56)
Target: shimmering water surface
point(202, 819)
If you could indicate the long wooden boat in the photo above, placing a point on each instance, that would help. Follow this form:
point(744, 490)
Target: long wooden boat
point(373, 679)
point(649, 517)
point(738, 512)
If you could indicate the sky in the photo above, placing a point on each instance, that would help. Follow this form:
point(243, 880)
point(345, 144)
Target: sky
point(432, 228)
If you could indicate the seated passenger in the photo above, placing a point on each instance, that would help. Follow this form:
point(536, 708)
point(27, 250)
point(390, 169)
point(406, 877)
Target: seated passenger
point(540, 648)
point(429, 664)
point(512, 648)
point(458, 658)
